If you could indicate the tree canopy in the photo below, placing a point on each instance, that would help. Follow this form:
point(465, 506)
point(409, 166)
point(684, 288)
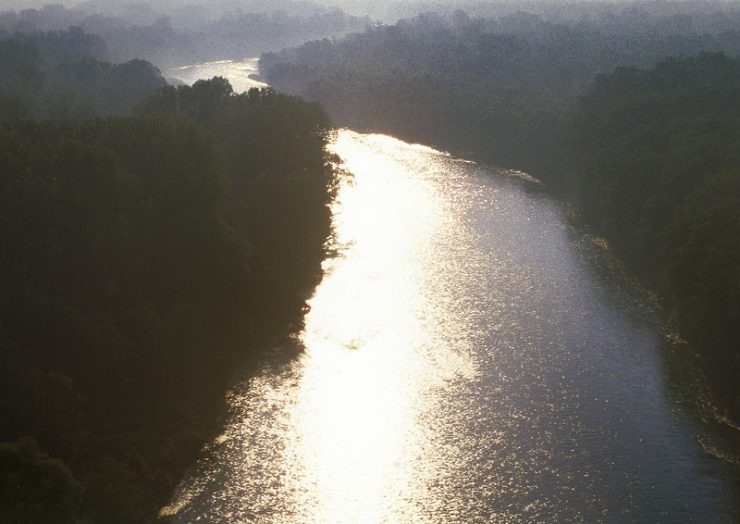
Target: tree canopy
point(143, 255)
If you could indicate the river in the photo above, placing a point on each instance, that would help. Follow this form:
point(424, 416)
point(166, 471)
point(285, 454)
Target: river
point(240, 73)
point(469, 357)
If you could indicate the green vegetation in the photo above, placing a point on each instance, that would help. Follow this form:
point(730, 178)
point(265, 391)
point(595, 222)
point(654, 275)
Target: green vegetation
point(154, 235)
point(144, 256)
point(62, 74)
point(170, 34)
point(659, 175)
point(502, 89)
point(651, 155)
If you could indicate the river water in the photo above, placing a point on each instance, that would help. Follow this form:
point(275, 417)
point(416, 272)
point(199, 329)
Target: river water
point(240, 73)
point(468, 357)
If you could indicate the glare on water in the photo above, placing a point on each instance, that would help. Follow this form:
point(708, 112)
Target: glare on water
point(365, 378)
point(239, 73)
point(462, 363)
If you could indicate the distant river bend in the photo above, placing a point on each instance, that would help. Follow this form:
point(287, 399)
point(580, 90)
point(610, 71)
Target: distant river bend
point(469, 357)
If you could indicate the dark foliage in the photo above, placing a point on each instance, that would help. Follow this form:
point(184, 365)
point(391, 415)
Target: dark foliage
point(659, 175)
point(500, 88)
point(61, 74)
point(142, 258)
point(184, 34)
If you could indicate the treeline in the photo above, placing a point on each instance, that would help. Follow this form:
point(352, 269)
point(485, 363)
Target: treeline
point(658, 174)
point(648, 151)
point(500, 88)
point(651, 16)
point(65, 73)
point(183, 35)
point(144, 256)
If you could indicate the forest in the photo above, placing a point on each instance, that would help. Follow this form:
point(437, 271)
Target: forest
point(501, 88)
point(657, 172)
point(635, 123)
point(155, 236)
point(188, 33)
point(152, 236)
point(66, 74)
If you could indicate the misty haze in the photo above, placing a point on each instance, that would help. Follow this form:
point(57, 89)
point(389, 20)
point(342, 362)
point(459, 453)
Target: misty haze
point(362, 261)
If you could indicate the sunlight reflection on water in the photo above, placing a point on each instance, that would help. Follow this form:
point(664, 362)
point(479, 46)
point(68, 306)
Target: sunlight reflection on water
point(462, 364)
point(238, 73)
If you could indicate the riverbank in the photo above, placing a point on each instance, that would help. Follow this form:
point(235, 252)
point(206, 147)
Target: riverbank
point(705, 343)
point(469, 353)
point(647, 156)
point(167, 248)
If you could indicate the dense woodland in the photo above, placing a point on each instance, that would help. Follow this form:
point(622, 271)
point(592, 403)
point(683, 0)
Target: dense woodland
point(65, 74)
point(152, 236)
point(501, 87)
point(638, 123)
point(657, 172)
point(188, 33)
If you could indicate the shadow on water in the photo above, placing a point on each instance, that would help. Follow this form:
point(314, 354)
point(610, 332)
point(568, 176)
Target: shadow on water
point(693, 385)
